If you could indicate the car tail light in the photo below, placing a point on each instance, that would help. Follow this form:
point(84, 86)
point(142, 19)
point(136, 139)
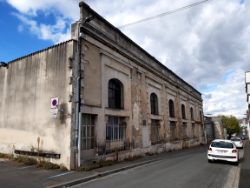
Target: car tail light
point(234, 157)
point(240, 142)
point(210, 149)
point(234, 151)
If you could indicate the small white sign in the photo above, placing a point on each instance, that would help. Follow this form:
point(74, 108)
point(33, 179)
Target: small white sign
point(54, 102)
point(53, 115)
point(54, 111)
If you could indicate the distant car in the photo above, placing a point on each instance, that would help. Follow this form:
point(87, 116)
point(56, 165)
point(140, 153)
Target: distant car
point(221, 149)
point(238, 142)
point(242, 138)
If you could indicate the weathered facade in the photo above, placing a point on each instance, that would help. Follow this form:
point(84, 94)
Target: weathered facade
point(125, 101)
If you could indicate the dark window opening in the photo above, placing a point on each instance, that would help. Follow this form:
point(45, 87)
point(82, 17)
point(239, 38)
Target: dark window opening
point(114, 94)
point(200, 116)
point(171, 108)
point(154, 104)
point(183, 111)
point(192, 113)
point(184, 129)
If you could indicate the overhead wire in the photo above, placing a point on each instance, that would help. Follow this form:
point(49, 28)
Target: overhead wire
point(164, 14)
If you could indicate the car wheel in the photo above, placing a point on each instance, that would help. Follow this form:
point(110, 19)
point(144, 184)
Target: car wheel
point(237, 163)
point(209, 161)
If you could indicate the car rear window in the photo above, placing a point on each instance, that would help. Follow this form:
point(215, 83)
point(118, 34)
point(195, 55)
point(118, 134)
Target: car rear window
point(235, 139)
point(222, 145)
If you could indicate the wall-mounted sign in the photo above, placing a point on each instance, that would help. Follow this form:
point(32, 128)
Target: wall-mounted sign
point(54, 102)
point(54, 111)
point(53, 115)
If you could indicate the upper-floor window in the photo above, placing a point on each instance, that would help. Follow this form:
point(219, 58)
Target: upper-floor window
point(183, 111)
point(200, 116)
point(154, 104)
point(192, 113)
point(114, 94)
point(171, 108)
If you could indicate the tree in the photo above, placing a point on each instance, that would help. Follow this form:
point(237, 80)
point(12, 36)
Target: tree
point(232, 125)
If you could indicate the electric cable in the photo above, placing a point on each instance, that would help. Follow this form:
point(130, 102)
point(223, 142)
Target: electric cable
point(164, 14)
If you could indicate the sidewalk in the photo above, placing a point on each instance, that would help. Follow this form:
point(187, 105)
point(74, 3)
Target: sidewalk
point(104, 171)
point(245, 167)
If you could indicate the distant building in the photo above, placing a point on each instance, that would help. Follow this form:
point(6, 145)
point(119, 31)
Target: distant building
point(93, 95)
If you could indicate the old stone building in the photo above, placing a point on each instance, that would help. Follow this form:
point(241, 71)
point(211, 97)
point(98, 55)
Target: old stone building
point(115, 99)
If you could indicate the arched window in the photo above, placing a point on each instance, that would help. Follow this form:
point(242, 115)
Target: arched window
point(183, 111)
point(192, 113)
point(200, 116)
point(115, 94)
point(171, 108)
point(154, 104)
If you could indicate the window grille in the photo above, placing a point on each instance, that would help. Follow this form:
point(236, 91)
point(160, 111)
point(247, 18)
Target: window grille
point(171, 108)
point(154, 104)
point(172, 130)
point(115, 134)
point(87, 132)
point(114, 94)
point(183, 111)
point(155, 131)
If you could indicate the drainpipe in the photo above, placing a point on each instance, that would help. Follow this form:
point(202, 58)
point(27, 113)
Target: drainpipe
point(78, 106)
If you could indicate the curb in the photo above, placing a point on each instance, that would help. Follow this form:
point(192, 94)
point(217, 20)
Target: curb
point(89, 178)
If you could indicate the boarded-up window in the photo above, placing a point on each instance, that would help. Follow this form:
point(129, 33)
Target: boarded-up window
point(87, 132)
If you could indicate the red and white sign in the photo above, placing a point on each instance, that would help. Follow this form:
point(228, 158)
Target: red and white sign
point(54, 102)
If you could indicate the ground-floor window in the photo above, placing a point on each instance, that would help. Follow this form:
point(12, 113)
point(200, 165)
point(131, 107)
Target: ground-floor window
point(87, 132)
point(184, 130)
point(193, 130)
point(115, 134)
point(172, 130)
point(116, 130)
point(155, 131)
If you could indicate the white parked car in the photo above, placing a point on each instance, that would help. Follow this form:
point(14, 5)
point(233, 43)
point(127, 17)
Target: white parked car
point(223, 150)
point(238, 142)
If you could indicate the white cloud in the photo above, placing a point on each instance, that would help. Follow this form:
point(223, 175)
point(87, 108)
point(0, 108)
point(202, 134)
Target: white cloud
point(200, 44)
point(46, 32)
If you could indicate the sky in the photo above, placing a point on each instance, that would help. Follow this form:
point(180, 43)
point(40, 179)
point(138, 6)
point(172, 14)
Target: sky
point(208, 45)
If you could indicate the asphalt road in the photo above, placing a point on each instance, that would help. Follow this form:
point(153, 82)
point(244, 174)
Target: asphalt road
point(190, 170)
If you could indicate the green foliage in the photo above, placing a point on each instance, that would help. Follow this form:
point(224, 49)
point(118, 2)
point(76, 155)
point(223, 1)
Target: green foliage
point(8, 156)
point(63, 168)
point(232, 124)
point(96, 165)
point(47, 165)
point(25, 160)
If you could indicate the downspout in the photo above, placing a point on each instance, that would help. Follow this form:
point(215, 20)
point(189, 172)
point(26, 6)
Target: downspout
point(78, 106)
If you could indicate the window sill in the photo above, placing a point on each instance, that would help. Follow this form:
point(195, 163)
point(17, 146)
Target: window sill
point(156, 117)
point(116, 112)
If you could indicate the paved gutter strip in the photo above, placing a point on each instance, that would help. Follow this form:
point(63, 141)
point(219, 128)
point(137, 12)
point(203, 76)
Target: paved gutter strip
point(89, 178)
